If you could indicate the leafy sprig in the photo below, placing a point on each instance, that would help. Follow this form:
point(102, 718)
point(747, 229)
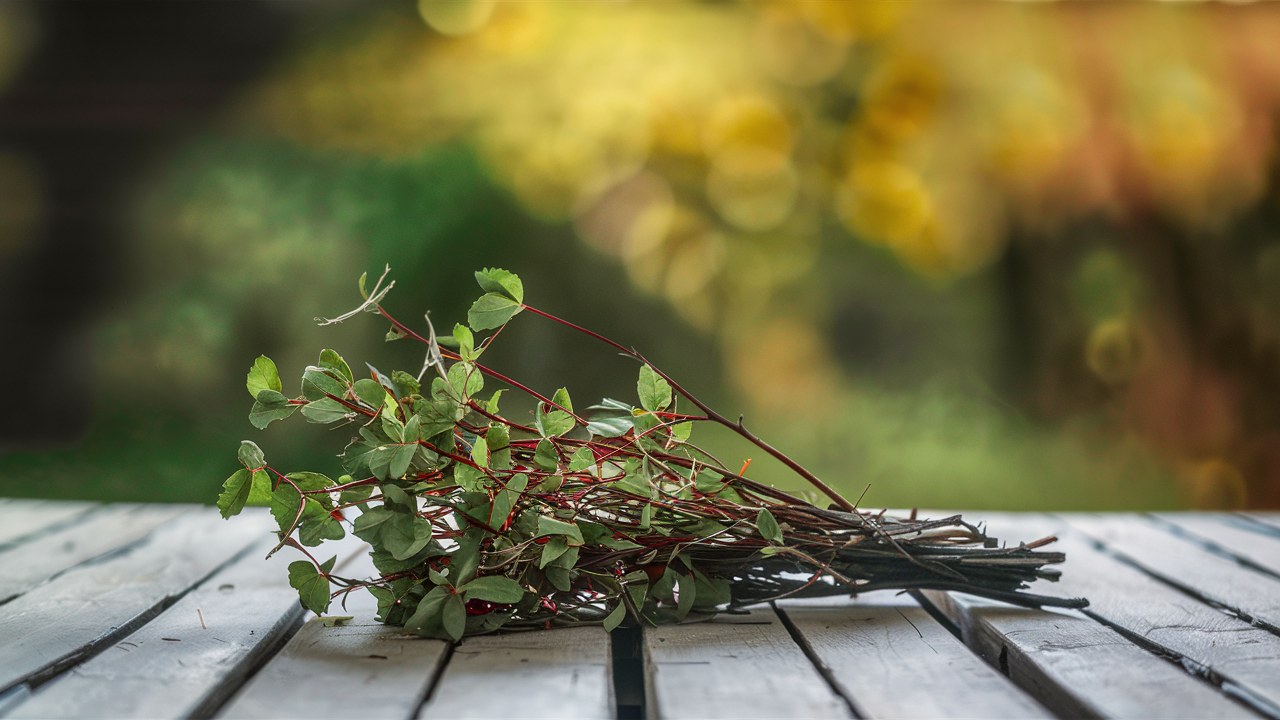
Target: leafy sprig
point(478, 521)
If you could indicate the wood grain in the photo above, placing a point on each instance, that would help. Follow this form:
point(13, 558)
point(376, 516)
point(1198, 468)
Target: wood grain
point(103, 530)
point(890, 658)
point(561, 673)
point(190, 658)
point(734, 666)
point(20, 519)
point(1078, 667)
point(62, 622)
point(1245, 659)
point(1183, 563)
point(1229, 534)
point(360, 669)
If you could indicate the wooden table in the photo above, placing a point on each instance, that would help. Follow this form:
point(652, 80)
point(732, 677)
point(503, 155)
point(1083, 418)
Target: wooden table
point(160, 611)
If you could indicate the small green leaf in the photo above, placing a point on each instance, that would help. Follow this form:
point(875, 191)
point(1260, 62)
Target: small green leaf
point(506, 499)
point(401, 457)
point(497, 280)
point(616, 617)
point(708, 483)
point(545, 456)
point(405, 383)
point(355, 494)
point(494, 588)
point(552, 550)
point(454, 617)
point(251, 455)
point(492, 405)
point(768, 526)
point(263, 376)
point(480, 452)
point(322, 411)
point(465, 372)
point(681, 431)
point(316, 383)
point(235, 492)
point(548, 525)
point(364, 293)
point(336, 620)
point(582, 459)
point(310, 480)
point(369, 392)
point(492, 311)
point(654, 390)
point(687, 592)
point(469, 478)
point(466, 342)
point(269, 407)
point(260, 495)
point(646, 516)
point(333, 361)
point(312, 587)
point(561, 398)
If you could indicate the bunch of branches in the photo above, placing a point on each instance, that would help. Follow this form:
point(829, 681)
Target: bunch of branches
point(479, 521)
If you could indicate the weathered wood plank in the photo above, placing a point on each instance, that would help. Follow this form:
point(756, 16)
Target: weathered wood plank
point(1078, 667)
point(190, 658)
point(1186, 564)
point(361, 669)
point(1230, 534)
point(1242, 658)
point(20, 519)
point(733, 667)
point(890, 658)
point(102, 530)
point(561, 673)
point(64, 621)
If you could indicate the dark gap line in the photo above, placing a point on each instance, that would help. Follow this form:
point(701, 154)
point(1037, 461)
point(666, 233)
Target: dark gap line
point(936, 613)
point(627, 663)
point(1197, 670)
point(818, 665)
point(244, 671)
point(433, 682)
point(1176, 585)
point(1210, 546)
point(56, 667)
point(1255, 525)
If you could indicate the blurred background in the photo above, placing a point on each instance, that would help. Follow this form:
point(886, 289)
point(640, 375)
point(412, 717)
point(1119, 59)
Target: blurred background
point(973, 255)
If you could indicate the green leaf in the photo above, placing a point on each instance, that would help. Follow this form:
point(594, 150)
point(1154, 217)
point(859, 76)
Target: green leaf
point(263, 376)
point(497, 280)
point(317, 528)
point(324, 410)
point(551, 550)
point(492, 405)
point(269, 407)
point(465, 372)
point(466, 342)
point(561, 398)
point(466, 558)
point(401, 457)
point(405, 383)
point(355, 494)
point(454, 617)
point(498, 442)
point(681, 431)
point(506, 499)
point(708, 483)
point(469, 478)
point(369, 392)
point(336, 620)
point(333, 361)
point(310, 480)
point(554, 423)
point(260, 495)
point(480, 452)
point(235, 491)
point(609, 427)
point(427, 619)
point(405, 535)
point(364, 293)
point(312, 587)
point(492, 311)
point(545, 456)
point(687, 591)
point(582, 459)
point(251, 455)
point(654, 390)
point(768, 526)
point(494, 588)
point(616, 617)
point(646, 516)
point(369, 525)
point(316, 383)
point(711, 592)
point(548, 525)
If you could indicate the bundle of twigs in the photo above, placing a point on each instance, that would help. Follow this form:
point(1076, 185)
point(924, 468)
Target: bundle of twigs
point(479, 521)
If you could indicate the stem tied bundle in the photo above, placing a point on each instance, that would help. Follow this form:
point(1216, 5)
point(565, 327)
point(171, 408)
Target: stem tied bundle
point(480, 522)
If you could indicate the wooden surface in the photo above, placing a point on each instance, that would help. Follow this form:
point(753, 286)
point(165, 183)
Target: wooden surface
point(128, 611)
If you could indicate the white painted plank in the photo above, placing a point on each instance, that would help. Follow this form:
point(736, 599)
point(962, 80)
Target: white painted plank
point(1206, 640)
point(60, 622)
point(1230, 534)
point(891, 659)
point(361, 669)
point(102, 530)
point(1078, 667)
point(22, 518)
point(561, 673)
point(1186, 564)
point(732, 667)
point(190, 658)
